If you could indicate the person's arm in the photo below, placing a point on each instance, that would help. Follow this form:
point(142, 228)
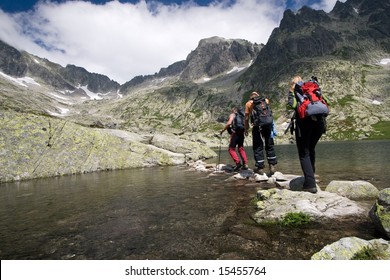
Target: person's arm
point(326, 99)
point(229, 122)
point(247, 114)
point(291, 101)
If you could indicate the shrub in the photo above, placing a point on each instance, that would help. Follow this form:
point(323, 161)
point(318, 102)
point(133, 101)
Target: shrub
point(295, 219)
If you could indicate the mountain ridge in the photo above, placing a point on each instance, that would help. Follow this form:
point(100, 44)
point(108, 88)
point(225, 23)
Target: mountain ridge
point(342, 47)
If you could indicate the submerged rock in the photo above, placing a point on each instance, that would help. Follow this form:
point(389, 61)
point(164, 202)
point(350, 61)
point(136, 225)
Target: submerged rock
point(355, 248)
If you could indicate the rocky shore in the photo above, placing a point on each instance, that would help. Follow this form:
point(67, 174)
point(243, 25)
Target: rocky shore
point(280, 197)
point(37, 146)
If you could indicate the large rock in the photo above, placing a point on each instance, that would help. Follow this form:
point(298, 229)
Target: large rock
point(380, 212)
point(36, 146)
point(355, 190)
point(274, 204)
point(192, 150)
point(351, 247)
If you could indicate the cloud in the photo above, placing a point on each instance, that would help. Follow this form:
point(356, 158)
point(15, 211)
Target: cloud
point(123, 40)
point(326, 5)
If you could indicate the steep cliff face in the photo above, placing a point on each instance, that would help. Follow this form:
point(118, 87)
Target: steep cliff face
point(11, 61)
point(216, 55)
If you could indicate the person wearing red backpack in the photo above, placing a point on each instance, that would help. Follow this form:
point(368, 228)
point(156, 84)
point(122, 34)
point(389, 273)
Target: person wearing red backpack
point(311, 109)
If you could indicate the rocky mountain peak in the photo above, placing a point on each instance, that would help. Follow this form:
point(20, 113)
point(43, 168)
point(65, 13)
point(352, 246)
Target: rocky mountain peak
point(216, 55)
point(212, 57)
point(344, 11)
point(19, 64)
point(305, 17)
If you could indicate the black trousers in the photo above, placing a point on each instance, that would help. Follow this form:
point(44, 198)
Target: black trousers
point(308, 132)
point(262, 139)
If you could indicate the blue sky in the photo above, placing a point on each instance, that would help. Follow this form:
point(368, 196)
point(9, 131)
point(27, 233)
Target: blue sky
point(24, 5)
point(126, 38)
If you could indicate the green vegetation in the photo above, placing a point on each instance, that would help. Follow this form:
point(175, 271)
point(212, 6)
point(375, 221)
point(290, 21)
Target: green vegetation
point(382, 131)
point(295, 220)
point(344, 52)
point(369, 253)
point(347, 99)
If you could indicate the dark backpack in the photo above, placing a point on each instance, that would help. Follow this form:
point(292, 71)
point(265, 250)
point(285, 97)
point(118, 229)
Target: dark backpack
point(311, 102)
point(238, 124)
point(261, 112)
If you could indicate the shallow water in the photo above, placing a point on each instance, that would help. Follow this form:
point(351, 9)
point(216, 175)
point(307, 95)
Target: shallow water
point(172, 213)
point(358, 160)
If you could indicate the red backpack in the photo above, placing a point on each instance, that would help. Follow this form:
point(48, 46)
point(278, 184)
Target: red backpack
point(311, 100)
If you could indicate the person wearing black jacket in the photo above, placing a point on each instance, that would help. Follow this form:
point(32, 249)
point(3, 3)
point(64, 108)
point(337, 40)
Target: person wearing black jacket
point(308, 131)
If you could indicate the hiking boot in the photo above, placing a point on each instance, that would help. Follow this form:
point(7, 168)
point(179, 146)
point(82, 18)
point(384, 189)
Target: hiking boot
point(271, 169)
point(259, 171)
point(311, 190)
point(245, 167)
point(238, 167)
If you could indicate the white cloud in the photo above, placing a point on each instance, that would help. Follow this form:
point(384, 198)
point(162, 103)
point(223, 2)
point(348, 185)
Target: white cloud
point(125, 40)
point(326, 5)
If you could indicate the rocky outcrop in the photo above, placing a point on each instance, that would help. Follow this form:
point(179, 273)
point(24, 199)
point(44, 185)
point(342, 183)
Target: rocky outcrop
point(355, 248)
point(380, 212)
point(355, 190)
point(274, 204)
point(11, 61)
point(36, 146)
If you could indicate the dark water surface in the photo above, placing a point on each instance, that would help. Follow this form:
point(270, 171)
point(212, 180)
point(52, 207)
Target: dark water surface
point(172, 213)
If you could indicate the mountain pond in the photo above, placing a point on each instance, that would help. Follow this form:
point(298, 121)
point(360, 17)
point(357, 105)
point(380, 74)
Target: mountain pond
point(173, 213)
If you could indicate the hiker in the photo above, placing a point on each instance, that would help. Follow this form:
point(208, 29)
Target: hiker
point(258, 111)
point(235, 127)
point(308, 130)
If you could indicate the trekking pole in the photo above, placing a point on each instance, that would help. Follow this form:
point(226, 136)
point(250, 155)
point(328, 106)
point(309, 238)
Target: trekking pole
point(291, 124)
point(219, 152)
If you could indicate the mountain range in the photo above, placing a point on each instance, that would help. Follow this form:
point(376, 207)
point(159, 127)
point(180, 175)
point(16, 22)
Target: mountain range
point(348, 49)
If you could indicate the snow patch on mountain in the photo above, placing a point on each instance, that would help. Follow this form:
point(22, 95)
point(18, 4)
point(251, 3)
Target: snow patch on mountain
point(24, 81)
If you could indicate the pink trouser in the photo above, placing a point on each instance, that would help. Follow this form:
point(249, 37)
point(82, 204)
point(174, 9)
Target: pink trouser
point(237, 140)
point(233, 154)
